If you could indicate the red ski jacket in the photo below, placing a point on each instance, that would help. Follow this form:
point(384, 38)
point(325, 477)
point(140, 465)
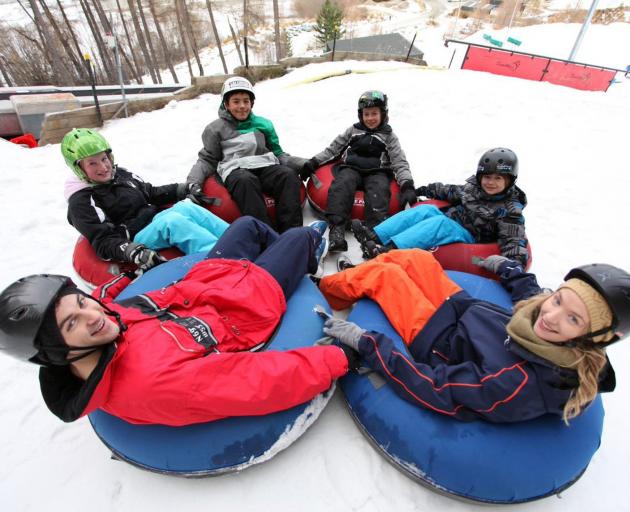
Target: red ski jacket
point(185, 355)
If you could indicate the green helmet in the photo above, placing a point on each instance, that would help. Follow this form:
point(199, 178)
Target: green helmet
point(80, 143)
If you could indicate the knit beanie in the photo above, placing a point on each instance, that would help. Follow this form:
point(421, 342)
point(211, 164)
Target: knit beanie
point(49, 335)
point(598, 310)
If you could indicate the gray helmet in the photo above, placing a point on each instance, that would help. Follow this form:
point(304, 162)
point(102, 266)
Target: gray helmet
point(498, 161)
point(23, 307)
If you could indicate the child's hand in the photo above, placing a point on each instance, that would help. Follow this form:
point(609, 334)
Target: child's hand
point(346, 332)
point(309, 167)
point(408, 194)
point(422, 191)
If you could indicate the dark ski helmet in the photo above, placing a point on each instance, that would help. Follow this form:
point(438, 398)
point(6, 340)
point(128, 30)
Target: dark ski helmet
point(613, 284)
point(236, 84)
point(373, 99)
point(23, 308)
point(498, 161)
point(80, 143)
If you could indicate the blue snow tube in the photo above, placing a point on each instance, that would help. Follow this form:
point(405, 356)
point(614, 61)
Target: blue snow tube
point(230, 444)
point(475, 461)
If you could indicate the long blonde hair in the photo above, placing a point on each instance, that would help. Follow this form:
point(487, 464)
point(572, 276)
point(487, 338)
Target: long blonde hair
point(590, 362)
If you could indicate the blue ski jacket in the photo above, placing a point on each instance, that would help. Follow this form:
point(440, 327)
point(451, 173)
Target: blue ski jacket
point(464, 364)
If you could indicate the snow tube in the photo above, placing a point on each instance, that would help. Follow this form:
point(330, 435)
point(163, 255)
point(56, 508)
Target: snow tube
point(222, 204)
point(230, 444)
point(319, 183)
point(94, 271)
point(474, 461)
point(459, 256)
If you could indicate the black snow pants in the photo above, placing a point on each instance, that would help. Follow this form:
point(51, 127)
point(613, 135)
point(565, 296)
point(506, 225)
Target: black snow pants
point(347, 181)
point(246, 186)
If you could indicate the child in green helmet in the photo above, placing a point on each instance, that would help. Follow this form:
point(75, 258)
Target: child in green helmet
point(123, 216)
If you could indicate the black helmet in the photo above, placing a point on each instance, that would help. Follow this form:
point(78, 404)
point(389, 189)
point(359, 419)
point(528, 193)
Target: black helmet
point(499, 161)
point(23, 307)
point(373, 99)
point(613, 284)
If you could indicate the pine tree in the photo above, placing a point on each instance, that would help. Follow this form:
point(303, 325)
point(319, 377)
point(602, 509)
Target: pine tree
point(329, 22)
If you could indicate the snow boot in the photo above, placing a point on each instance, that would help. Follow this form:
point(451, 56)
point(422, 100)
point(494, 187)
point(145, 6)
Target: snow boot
point(337, 238)
point(372, 249)
point(363, 233)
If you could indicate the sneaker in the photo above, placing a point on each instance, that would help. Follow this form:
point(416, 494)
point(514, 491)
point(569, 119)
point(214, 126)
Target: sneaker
point(321, 252)
point(362, 233)
point(344, 263)
point(319, 225)
point(372, 249)
point(337, 237)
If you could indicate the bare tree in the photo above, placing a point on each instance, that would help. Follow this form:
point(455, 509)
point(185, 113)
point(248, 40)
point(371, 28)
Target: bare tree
point(5, 74)
point(216, 36)
point(143, 46)
point(276, 29)
point(236, 43)
point(165, 51)
point(191, 35)
point(80, 71)
point(136, 66)
point(75, 42)
point(108, 66)
point(154, 57)
point(183, 35)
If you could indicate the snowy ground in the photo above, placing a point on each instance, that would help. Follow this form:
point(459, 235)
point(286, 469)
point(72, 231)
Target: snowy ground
point(573, 168)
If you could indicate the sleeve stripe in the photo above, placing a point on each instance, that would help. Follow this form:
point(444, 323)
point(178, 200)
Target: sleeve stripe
point(453, 412)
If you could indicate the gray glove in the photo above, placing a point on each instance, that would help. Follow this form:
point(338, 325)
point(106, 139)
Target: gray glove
point(491, 263)
point(346, 332)
point(141, 256)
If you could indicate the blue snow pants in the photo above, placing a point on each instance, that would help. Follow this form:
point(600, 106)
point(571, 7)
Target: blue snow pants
point(185, 225)
point(422, 227)
point(287, 256)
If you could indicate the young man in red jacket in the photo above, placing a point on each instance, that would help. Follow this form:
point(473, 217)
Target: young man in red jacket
point(182, 354)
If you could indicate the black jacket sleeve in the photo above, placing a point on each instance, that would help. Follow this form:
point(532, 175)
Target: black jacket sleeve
point(107, 239)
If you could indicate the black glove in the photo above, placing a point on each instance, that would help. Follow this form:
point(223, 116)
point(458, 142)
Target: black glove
point(192, 190)
point(354, 359)
point(309, 167)
point(141, 256)
point(407, 194)
point(492, 263)
point(422, 191)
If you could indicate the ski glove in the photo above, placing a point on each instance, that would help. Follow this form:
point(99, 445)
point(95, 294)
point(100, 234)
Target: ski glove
point(422, 191)
point(354, 359)
point(191, 190)
point(309, 167)
point(492, 263)
point(346, 332)
point(408, 194)
point(141, 256)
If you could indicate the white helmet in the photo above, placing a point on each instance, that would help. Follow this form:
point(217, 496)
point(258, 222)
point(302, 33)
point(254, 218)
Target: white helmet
point(235, 84)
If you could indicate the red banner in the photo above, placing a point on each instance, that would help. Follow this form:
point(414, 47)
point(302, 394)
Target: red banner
point(579, 76)
point(505, 63)
point(501, 62)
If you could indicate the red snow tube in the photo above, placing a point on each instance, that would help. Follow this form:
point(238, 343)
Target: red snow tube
point(317, 193)
point(458, 256)
point(224, 206)
point(95, 271)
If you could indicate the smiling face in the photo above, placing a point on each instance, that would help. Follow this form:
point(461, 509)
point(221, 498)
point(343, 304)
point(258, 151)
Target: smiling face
point(98, 168)
point(239, 105)
point(494, 183)
point(562, 317)
point(372, 117)
point(83, 322)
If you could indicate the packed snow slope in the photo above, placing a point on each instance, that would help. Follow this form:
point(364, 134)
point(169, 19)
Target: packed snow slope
point(572, 147)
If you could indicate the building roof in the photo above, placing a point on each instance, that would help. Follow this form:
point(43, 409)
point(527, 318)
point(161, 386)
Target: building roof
point(388, 44)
